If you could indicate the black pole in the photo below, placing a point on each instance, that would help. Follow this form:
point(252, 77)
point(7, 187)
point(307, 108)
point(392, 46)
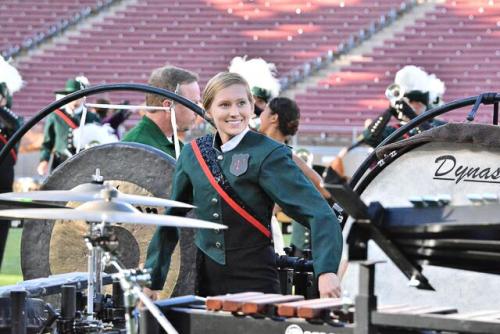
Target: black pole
point(472, 114)
point(148, 323)
point(495, 113)
point(18, 312)
point(66, 322)
point(92, 91)
point(117, 295)
point(68, 302)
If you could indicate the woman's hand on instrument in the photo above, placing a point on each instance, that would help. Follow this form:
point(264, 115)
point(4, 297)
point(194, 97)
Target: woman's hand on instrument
point(151, 294)
point(43, 168)
point(329, 285)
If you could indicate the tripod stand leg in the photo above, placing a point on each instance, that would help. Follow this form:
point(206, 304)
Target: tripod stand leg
point(91, 285)
point(156, 313)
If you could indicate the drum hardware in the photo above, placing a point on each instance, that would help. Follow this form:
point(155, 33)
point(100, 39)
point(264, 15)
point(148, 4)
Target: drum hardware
point(483, 198)
point(131, 282)
point(298, 273)
point(430, 200)
point(125, 107)
point(93, 91)
point(100, 237)
point(486, 98)
point(417, 121)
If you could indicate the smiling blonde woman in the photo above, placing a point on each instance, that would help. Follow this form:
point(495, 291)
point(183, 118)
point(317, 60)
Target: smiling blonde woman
point(235, 177)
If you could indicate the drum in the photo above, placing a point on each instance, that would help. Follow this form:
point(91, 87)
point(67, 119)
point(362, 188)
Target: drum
point(49, 247)
point(456, 160)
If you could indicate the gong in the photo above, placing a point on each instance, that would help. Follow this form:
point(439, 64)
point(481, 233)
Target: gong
point(49, 247)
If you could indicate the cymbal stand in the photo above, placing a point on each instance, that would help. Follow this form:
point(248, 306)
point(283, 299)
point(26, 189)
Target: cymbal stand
point(97, 233)
point(131, 281)
point(94, 265)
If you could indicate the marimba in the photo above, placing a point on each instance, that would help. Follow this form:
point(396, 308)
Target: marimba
point(253, 312)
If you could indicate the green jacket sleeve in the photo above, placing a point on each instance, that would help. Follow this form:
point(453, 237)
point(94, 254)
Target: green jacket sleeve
point(285, 183)
point(48, 139)
point(160, 250)
point(165, 239)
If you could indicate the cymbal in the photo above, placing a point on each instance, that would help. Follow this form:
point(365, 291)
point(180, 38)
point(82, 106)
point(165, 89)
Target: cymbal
point(23, 204)
point(89, 192)
point(110, 212)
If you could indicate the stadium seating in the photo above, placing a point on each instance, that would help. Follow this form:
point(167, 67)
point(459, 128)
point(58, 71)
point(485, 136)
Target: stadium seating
point(458, 41)
point(25, 23)
point(202, 36)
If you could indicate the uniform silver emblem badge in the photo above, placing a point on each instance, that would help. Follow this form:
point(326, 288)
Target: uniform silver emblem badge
point(239, 164)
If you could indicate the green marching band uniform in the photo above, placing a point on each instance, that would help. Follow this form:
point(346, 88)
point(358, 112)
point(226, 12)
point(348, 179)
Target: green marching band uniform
point(257, 173)
point(148, 133)
point(9, 124)
point(57, 135)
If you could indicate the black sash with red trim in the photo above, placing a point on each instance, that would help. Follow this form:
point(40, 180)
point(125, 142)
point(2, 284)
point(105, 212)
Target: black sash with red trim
point(4, 141)
point(207, 158)
point(66, 118)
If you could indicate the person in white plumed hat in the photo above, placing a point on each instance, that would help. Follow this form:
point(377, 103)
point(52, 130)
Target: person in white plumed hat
point(10, 82)
point(261, 77)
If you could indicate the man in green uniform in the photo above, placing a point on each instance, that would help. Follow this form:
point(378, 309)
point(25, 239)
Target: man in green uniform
point(59, 126)
point(156, 128)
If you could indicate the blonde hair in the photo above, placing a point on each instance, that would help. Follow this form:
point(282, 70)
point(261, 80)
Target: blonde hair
point(219, 82)
point(168, 77)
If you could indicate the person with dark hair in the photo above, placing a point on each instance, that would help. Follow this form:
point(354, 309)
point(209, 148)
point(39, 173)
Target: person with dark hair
point(279, 121)
point(10, 82)
point(111, 117)
point(100, 111)
point(235, 177)
point(157, 128)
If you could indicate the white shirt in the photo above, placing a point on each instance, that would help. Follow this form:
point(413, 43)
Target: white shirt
point(233, 142)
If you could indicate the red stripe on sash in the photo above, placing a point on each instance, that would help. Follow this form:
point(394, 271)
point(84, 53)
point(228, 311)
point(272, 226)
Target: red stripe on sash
point(66, 119)
point(242, 212)
point(12, 151)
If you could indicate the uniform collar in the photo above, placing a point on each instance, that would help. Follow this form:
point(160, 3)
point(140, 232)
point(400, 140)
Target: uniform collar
point(155, 131)
point(233, 142)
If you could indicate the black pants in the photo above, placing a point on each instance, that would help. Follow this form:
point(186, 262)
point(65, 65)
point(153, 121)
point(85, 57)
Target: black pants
point(6, 181)
point(246, 269)
point(57, 160)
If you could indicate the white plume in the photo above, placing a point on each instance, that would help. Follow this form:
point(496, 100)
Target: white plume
point(412, 78)
point(83, 80)
point(10, 76)
point(257, 72)
point(436, 90)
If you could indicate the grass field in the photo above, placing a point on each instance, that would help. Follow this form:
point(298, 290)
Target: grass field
point(10, 273)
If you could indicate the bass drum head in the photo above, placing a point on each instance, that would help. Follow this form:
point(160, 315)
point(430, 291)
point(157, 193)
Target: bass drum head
point(49, 247)
point(432, 169)
point(354, 158)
